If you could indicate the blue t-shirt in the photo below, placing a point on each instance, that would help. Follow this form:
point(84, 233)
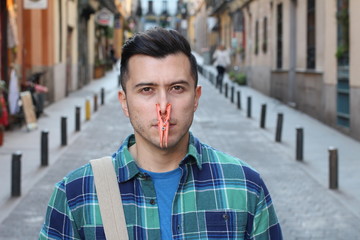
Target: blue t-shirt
point(166, 185)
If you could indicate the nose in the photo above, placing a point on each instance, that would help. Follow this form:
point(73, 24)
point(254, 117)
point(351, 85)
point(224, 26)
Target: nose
point(163, 103)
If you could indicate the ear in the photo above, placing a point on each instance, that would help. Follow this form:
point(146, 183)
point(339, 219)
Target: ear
point(197, 97)
point(123, 102)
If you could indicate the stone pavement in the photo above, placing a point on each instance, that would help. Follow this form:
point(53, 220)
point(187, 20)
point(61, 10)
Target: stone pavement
point(307, 209)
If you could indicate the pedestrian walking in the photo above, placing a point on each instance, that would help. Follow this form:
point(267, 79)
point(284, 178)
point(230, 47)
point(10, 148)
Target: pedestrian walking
point(170, 184)
point(112, 55)
point(222, 60)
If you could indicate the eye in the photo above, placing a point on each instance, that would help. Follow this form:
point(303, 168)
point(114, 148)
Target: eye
point(146, 90)
point(177, 88)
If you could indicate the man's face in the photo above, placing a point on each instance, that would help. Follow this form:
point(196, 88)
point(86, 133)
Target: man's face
point(160, 81)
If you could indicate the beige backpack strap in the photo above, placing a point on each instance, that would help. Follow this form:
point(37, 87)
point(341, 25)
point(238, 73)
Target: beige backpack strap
point(108, 193)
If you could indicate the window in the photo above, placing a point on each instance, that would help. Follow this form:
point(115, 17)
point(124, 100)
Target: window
point(264, 44)
point(311, 35)
point(256, 37)
point(238, 21)
point(279, 33)
point(150, 8)
point(164, 7)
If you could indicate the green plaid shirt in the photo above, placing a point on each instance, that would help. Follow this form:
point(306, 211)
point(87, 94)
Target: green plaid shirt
point(219, 197)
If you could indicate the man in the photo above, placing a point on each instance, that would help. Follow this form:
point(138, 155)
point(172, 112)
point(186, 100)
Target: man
point(172, 185)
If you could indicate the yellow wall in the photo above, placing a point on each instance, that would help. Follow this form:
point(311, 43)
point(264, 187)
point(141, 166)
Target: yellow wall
point(91, 39)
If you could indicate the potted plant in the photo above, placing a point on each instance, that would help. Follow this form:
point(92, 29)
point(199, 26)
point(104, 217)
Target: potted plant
point(99, 69)
point(240, 78)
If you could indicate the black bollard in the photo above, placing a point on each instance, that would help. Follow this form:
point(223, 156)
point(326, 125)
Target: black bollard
point(263, 116)
point(238, 100)
point(95, 102)
point(226, 90)
point(44, 148)
point(63, 131)
point(333, 168)
point(102, 95)
point(16, 174)
point(77, 118)
point(249, 107)
point(279, 124)
point(232, 94)
point(299, 143)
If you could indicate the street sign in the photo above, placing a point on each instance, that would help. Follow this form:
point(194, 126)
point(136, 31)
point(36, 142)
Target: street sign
point(105, 17)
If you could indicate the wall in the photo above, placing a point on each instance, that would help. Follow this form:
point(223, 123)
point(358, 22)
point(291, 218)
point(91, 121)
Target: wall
point(354, 70)
point(330, 62)
point(201, 29)
point(259, 73)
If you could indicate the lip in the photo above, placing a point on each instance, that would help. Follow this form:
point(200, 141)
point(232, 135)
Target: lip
point(171, 125)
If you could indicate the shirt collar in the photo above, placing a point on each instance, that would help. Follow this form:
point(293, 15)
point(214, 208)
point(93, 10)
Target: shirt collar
point(126, 165)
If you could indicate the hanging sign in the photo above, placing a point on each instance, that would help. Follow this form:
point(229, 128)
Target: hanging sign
point(35, 4)
point(105, 17)
point(28, 108)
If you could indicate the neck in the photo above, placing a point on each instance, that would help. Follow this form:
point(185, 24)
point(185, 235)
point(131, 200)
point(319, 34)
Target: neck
point(155, 159)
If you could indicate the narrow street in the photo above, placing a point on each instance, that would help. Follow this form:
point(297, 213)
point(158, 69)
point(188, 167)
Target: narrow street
point(306, 208)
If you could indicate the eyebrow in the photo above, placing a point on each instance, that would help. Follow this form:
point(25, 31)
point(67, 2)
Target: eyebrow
point(154, 84)
point(144, 84)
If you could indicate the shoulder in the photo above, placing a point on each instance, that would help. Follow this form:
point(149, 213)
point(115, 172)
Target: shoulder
point(230, 166)
point(78, 183)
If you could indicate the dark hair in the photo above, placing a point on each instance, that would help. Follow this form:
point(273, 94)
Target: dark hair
point(158, 43)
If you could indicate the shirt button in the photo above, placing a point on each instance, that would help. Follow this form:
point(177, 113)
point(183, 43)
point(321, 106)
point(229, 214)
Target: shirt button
point(225, 217)
point(178, 228)
point(152, 202)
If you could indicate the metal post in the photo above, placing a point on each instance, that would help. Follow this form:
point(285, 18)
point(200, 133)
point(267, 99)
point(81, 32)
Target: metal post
point(238, 100)
point(16, 174)
point(232, 94)
point(299, 143)
point(63, 131)
point(44, 148)
point(249, 107)
point(77, 118)
point(95, 102)
point(333, 168)
point(226, 90)
point(87, 110)
point(279, 124)
point(263, 116)
point(102, 95)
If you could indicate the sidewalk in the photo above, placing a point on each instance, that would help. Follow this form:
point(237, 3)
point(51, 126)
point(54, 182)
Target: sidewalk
point(28, 142)
point(318, 137)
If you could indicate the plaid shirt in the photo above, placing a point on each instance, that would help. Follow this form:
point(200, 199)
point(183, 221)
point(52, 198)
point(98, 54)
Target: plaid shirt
point(219, 197)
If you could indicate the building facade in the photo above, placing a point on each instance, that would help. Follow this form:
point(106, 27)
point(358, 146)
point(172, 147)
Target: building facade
point(302, 52)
